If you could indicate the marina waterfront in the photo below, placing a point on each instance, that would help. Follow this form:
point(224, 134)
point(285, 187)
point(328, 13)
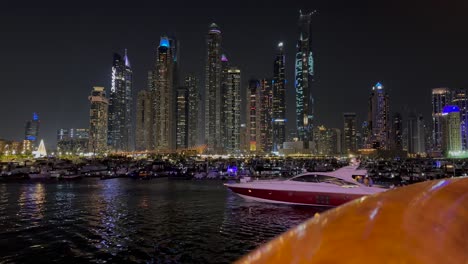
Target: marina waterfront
point(123, 220)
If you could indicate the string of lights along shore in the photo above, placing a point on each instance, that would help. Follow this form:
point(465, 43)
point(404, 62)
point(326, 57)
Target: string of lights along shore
point(203, 114)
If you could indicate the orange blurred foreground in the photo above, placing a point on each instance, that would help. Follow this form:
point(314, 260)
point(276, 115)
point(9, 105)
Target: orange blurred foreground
point(421, 223)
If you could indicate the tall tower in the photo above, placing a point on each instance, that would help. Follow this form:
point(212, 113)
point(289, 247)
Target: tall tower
point(213, 94)
point(349, 133)
point(164, 97)
point(304, 78)
point(266, 114)
point(120, 131)
point(279, 100)
point(440, 98)
point(416, 134)
point(397, 132)
point(191, 82)
point(31, 132)
point(460, 99)
point(451, 136)
point(182, 118)
point(232, 110)
point(144, 121)
point(378, 122)
point(98, 118)
point(254, 110)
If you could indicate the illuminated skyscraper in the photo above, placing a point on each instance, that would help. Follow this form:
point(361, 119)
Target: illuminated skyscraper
point(144, 121)
point(182, 118)
point(191, 82)
point(378, 121)
point(460, 99)
point(451, 136)
point(232, 110)
point(32, 130)
point(266, 114)
point(254, 110)
point(349, 133)
point(213, 96)
point(304, 78)
point(279, 100)
point(165, 118)
point(120, 131)
point(73, 140)
point(397, 132)
point(98, 118)
point(224, 98)
point(440, 98)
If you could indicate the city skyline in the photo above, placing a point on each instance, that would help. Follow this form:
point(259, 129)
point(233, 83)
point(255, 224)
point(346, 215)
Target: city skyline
point(59, 108)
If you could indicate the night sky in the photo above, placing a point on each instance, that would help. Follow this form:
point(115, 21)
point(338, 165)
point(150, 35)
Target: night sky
point(53, 54)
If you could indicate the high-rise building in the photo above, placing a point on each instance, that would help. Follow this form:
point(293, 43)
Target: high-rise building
point(221, 147)
point(144, 120)
point(397, 132)
point(451, 133)
point(165, 119)
point(182, 118)
point(440, 98)
point(460, 99)
point(213, 107)
point(254, 111)
point(378, 121)
point(191, 82)
point(120, 131)
point(304, 78)
point(32, 130)
point(232, 110)
point(73, 140)
point(279, 99)
point(266, 115)
point(328, 140)
point(416, 135)
point(98, 118)
point(349, 133)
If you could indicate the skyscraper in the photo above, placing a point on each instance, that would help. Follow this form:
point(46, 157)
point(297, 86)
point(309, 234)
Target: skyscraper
point(182, 118)
point(213, 107)
point(191, 82)
point(232, 110)
point(451, 136)
point(254, 110)
point(279, 99)
point(397, 132)
point(378, 121)
point(349, 133)
point(31, 132)
point(73, 140)
point(98, 118)
point(120, 131)
point(224, 98)
point(440, 98)
point(266, 114)
point(460, 99)
point(304, 78)
point(144, 121)
point(164, 97)
point(416, 135)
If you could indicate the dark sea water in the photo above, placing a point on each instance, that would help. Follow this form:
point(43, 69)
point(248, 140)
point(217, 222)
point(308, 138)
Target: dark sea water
point(122, 220)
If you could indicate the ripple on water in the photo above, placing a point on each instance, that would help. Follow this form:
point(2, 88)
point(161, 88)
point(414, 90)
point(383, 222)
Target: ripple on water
point(120, 220)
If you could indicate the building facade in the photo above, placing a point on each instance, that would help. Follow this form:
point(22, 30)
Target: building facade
point(191, 82)
point(213, 106)
point(451, 132)
point(254, 111)
point(397, 132)
point(279, 99)
point(349, 133)
point(378, 120)
point(144, 139)
point(98, 118)
point(416, 135)
point(120, 123)
point(266, 115)
point(460, 99)
point(304, 75)
point(440, 98)
point(72, 140)
point(182, 118)
point(232, 111)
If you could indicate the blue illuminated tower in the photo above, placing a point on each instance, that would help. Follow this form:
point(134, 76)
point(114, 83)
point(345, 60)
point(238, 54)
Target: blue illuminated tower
point(32, 129)
point(304, 77)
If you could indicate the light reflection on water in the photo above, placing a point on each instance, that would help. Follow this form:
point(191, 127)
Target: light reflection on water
point(117, 220)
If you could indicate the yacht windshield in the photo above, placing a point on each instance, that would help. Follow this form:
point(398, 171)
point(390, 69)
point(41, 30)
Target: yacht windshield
point(322, 179)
